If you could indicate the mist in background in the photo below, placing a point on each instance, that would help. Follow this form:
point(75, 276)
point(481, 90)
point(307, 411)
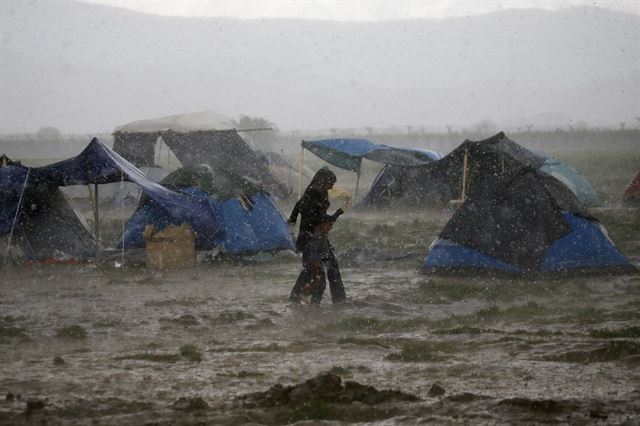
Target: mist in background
point(85, 68)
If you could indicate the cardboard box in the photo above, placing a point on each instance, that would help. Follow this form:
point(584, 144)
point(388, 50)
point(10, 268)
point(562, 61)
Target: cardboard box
point(171, 248)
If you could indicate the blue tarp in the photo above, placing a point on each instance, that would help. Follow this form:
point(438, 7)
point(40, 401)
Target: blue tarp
point(236, 229)
point(348, 153)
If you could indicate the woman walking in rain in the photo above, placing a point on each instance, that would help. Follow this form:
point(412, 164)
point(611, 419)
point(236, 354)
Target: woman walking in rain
point(317, 253)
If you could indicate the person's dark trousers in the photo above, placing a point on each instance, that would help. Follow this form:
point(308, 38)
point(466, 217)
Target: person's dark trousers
point(336, 286)
point(338, 294)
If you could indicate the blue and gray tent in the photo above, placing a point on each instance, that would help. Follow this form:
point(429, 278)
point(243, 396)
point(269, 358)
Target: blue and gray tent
point(348, 154)
point(245, 219)
point(523, 222)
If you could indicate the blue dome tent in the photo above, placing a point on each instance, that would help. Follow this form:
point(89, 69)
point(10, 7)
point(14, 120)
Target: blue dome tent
point(245, 219)
point(523, 222)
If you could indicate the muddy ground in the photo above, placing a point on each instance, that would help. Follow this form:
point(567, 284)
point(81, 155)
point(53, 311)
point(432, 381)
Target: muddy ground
point(99, 344)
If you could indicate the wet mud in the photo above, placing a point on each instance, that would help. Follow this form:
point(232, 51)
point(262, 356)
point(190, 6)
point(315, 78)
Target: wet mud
point(219, 343)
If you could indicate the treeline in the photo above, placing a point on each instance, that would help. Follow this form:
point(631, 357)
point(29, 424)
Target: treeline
point(38, 146)
point(543, 140)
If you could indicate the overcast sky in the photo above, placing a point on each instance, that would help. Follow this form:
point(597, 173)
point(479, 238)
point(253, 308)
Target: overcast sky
point(351, 10)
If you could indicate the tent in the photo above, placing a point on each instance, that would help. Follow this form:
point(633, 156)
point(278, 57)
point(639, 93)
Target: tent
point(631, 195)
point(523, 222)
point(38, 219)
point(348, 154)
point(473, 161)
point(408, 186)
point(197, 138)
point(245, 220)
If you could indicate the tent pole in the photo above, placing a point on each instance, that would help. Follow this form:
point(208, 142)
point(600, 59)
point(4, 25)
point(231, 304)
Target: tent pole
point(96, 215)
point(15, 217)
point(301, 166)
point(122, 214)
point(93, 206)
point(464, 174)
point(357, 184)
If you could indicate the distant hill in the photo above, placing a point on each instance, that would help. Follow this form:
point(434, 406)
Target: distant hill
point(83, 67)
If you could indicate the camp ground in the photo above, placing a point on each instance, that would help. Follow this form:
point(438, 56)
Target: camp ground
point(393, 180)
point(37, 218)
point(523, 222)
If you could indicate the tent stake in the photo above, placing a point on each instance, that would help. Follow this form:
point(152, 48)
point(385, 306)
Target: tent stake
point(15, 217)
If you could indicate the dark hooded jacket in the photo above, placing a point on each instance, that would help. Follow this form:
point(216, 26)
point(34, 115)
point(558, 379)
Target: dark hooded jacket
point(313, 207)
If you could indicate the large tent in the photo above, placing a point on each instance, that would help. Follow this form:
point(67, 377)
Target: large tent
point(246, 220)
point(473, 161)
point(37, 218)
point(198, 138)
point(631, 195)
point(523, 222)
point(348, 154)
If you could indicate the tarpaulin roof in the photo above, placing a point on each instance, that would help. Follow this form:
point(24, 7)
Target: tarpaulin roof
point(348, 153)
point(97, 163)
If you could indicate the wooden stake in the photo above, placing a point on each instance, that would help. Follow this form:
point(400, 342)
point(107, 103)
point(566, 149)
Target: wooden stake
point(301, 167)
point(463, 196)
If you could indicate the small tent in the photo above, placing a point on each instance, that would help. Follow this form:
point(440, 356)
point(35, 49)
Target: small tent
point(245, 218)
point(523, 222)
point(38, 219)
point(408, 186)
point(631, 195)
point(348, 154)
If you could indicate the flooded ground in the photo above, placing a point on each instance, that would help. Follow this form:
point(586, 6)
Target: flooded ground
point(96, 344)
